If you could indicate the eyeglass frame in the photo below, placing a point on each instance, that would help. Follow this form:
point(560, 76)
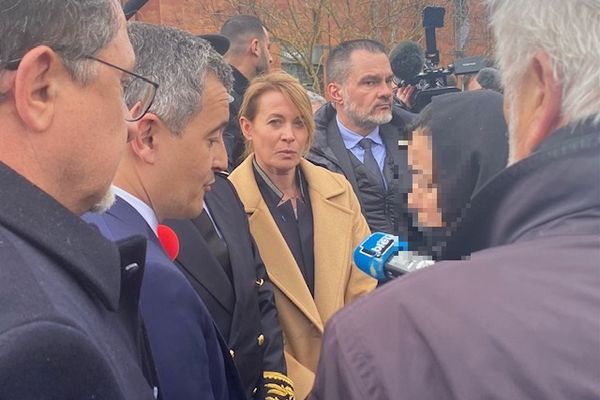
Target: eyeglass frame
point(12, 65)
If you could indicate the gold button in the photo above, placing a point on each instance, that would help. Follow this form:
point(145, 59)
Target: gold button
point(260, 282)
point(260, 339)
point(232, 353)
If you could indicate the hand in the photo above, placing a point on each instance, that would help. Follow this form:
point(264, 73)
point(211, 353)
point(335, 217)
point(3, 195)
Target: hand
point(404, 94)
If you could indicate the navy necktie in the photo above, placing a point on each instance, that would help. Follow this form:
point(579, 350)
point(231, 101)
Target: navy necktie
point(370, 162)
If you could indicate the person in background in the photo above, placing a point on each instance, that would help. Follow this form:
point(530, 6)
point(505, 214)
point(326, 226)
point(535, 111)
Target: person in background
point(306, 220)
point(165, 171)
point(361, 135)
point(316, 100)
point(248, 56)
point(517, 318)
point(69, 325)
point(464, 136)
point(486, 78)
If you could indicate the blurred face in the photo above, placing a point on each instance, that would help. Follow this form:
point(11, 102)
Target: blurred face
point(278, 134)
point(187, 162)
point(265, 58)
point(95, 132)
point(367, 92)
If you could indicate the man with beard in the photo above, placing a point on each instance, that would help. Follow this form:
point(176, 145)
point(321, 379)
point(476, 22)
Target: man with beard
point(358, 134)
point(248, 56)
point(518, 319)
point(69, 324)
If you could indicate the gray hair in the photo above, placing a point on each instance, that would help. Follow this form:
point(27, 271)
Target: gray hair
point(73, 28)
point(240, 29)
point(179, 62)
point(338, 62)
point(489, 78)
point(568, 31)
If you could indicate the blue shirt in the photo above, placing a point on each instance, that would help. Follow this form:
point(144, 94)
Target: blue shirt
point(351, 140)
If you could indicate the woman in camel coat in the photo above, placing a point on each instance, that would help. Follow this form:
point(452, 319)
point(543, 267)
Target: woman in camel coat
point(311, 264)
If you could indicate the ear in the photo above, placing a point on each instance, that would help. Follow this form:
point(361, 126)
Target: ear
point(334, 92)
point(37, 82)
point(255, 47)
point(246, 127)
point(546, 100)
point(143, 135)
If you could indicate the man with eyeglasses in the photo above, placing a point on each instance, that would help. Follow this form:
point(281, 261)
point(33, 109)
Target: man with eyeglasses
point(165, 171)
point(69, 326)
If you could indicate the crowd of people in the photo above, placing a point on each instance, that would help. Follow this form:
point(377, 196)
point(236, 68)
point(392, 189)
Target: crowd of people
point(178, 219)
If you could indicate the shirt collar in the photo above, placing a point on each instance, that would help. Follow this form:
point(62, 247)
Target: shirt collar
point(270, 183)
point(144, 209)
point(351, 138)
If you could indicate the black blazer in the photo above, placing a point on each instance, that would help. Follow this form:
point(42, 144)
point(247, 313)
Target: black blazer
point(245, 312)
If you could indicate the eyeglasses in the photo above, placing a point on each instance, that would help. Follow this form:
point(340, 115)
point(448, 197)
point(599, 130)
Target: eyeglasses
point(144, 88)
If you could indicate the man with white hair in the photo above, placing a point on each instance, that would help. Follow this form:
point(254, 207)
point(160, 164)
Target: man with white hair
point(518, 319)
point(69, 325)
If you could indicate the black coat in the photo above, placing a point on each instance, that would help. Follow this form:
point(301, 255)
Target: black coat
point(69, 325)
point(470, 145)
point(245, 312)
point(232, 135)
point(381, 208)
point(518, 320)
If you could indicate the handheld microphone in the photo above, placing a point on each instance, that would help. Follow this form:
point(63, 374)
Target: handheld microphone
point(384, 257)
point(132, 7)
point(407, 61)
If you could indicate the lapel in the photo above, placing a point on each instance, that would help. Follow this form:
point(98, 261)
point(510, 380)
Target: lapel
point(396, 156)
point(283, 271)
point(61, 235)
point(332, 238)
point(201, 265)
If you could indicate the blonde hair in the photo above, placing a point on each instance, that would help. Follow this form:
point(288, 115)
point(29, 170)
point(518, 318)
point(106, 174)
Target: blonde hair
point(290, 88)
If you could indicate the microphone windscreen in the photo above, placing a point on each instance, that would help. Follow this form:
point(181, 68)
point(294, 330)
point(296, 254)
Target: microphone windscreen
point(132, 7)
point(407, 60)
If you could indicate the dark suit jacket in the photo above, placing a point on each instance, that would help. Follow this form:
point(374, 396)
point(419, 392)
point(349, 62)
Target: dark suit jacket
point(232, 135)
point(68, 313)
point(191, 358)
point(245, 311)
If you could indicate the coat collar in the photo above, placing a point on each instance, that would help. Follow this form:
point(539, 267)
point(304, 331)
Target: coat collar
point(73, 244)
point(283, 271)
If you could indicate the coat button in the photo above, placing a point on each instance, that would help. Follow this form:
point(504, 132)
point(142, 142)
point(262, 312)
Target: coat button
point(254, 390)
point(260, 339)
point(260, 282)
point(232, 353)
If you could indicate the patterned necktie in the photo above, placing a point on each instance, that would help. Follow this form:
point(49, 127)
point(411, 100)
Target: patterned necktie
point(370, 162)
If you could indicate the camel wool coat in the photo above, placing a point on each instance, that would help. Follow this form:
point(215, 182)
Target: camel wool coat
point(339, 227)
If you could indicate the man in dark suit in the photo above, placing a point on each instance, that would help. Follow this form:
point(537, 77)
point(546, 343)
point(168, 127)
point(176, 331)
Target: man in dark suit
point(69, 326)
point(360, 134)
point(165, 171)
point(219, 257)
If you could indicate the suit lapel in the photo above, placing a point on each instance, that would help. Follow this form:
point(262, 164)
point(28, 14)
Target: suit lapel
point(283, 271)
point(202, 266)
point(395, 156)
